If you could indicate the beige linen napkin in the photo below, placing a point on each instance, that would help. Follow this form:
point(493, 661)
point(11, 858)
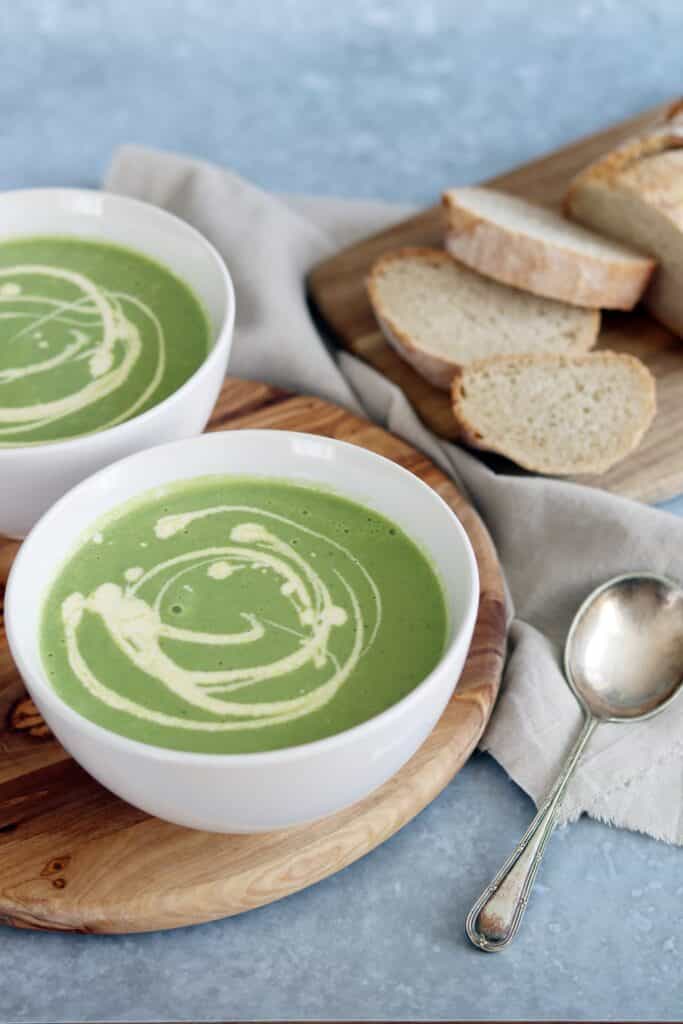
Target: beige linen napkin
point(556, 540)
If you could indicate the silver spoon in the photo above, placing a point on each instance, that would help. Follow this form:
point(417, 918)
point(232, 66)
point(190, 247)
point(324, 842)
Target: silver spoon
point(624, 662)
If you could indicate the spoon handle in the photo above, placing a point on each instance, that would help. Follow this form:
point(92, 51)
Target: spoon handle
point(494, 919)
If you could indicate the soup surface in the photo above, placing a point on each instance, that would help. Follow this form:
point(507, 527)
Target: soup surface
point(91, 334)
point(236, 614)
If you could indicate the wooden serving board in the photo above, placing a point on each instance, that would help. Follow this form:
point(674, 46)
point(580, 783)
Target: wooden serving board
point(337, 290)
point(74, 857)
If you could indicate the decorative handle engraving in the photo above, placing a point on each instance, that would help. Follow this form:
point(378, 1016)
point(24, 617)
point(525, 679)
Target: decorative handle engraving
point(494, 919)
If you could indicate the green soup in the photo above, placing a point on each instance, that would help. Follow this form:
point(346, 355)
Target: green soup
point(90, 335)
point(234, 614)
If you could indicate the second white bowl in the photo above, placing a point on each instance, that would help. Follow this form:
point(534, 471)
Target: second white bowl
point(33, 477)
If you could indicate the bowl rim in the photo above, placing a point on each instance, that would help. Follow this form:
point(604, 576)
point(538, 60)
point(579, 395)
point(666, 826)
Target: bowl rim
point(126, 744)
point(215, 354)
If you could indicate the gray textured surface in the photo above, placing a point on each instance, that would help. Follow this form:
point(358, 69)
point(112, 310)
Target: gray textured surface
point(389, 98)
point(375, 99)
point(383, 939)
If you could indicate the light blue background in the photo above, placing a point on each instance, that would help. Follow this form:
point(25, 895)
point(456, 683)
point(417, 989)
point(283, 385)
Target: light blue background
point(394, 100)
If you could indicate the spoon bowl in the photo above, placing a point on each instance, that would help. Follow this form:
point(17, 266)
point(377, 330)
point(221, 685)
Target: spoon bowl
point(624, 652)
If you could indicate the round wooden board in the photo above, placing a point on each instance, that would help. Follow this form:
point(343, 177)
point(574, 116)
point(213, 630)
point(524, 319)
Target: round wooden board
point(75, 857)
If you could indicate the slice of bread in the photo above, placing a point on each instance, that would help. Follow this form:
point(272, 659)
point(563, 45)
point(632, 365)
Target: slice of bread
point(439, 315)
point(635, 194)
point(538, 250)
point(561, 415)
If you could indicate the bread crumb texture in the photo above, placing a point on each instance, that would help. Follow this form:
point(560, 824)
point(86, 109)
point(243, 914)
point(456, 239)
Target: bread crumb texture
point(558, 415)
point(432, 302)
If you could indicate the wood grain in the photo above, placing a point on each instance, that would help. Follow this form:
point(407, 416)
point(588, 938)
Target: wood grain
point(75, 857)
point(337, 290)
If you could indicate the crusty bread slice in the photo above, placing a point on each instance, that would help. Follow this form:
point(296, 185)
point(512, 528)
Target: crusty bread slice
point(538, 250)
point(561, 415)
point(635, 194)
point(439, 315)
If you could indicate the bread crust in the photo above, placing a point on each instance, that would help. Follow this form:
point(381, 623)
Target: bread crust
point(542, 267)
point(665, 135)
point(469, 434)
point(438, 370)
point(658, 192)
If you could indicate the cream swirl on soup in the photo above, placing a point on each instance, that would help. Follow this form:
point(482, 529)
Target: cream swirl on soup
point(88, 337)
point(133, 614)
point(86, 328)
point(235, 614)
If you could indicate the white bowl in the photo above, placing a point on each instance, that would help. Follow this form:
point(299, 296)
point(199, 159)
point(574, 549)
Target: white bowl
point(275, 789)
point(33, 477)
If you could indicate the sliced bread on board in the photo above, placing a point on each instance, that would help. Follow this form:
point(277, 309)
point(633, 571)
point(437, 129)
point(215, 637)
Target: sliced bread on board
point(635, 194)
point(440, 316)
point(539, 251)
point(556, 414)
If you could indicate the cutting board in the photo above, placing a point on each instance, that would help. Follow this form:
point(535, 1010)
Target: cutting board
point(337, 291)
point(74, 857)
